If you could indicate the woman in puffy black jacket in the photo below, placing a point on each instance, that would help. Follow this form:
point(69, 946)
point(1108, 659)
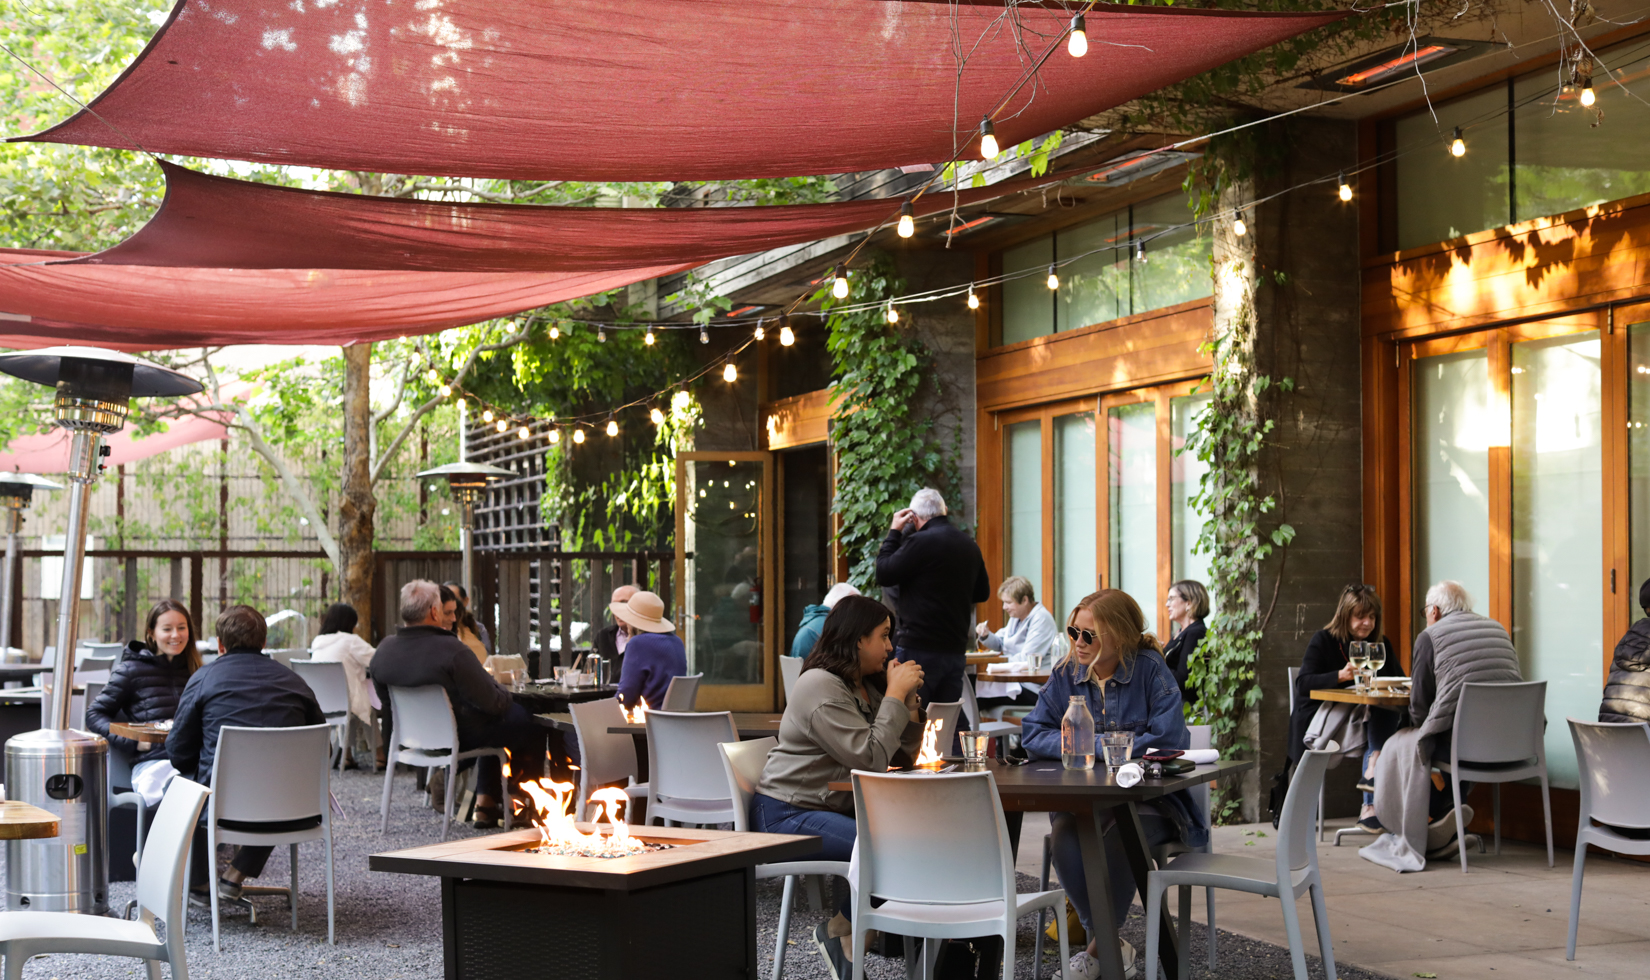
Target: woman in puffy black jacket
point(146, 686)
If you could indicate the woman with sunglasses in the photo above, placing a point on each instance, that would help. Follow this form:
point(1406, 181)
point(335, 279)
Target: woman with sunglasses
point(1117, 667)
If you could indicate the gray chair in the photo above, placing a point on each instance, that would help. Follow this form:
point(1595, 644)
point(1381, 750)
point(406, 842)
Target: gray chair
point(331, 688)
point(685, 779)
point(1293, 870)
point(1499, 738)
point(949, 715)
point(1614, 760)
point(425, 734)
point(790, 668)
point(971, 710)
point(1294, 672)
point(603, 756)
point(682, 694)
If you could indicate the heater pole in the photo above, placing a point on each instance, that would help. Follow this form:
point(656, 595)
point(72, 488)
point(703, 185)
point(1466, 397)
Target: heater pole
point(467, 539)
point(82, 472)
point(14, 521)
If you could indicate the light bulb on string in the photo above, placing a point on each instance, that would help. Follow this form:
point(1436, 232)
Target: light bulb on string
point(503, 425)
point(612, 427)
point(730, 373)
point(1140, 251)
point(839, 288)
point(578, 436)
point(1078, 44)
point(1458, 146)
point(657, 416)
point(1587, 95)
point(787, 336)
point(1345, 189)
point(1053, 278)
point(704, 334)
point(893, 314)
point(445, 390)
point(601, 336)
point(555, 436)
point(648, 338)
point(988, 139)
point(760, 333)
point(555, 332)
point(432, 376)
point(487, 416)
point(907, 220)
point(1239, 226)
point(523, 433)
point(973, 298)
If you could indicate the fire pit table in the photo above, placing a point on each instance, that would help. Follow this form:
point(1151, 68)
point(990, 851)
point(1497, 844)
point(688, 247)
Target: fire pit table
point(685, 911)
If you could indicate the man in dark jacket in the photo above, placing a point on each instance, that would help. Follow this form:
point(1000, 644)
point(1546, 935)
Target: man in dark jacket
point(939, 576)
point(609, 643)
point(423, 654)
point(242, 688)
point(1627, 692)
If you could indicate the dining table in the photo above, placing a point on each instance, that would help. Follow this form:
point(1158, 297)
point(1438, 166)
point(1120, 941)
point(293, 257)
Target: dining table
point(750, 724)
point(1347, 695)
point(540, 699)
point(25, 821)
point(1094, 795)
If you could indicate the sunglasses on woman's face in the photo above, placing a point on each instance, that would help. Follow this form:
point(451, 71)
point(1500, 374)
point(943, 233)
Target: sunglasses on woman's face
point(1086, 635)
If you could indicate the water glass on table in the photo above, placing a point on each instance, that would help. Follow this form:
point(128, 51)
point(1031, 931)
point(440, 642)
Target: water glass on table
point(1116, 747)
point(974, 747)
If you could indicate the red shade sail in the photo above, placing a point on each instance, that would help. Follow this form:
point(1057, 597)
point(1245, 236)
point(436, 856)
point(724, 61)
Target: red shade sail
point(642, 90)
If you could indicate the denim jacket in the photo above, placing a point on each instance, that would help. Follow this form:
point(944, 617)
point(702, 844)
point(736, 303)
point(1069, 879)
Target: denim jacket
point(1143, 699)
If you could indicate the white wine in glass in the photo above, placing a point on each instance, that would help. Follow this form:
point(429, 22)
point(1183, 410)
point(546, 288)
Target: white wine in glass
point(1358, 656)
point(1376, 657)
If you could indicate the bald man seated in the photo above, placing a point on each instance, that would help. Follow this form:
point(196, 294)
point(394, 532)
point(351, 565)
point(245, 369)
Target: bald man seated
point(611, 639)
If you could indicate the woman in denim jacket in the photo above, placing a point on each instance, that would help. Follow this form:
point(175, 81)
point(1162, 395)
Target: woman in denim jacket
point(1118, 668)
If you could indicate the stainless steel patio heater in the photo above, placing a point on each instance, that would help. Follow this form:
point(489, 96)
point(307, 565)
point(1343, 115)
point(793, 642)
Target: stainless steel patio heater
point(16, 493)
point(467, 481)
point(58, 768)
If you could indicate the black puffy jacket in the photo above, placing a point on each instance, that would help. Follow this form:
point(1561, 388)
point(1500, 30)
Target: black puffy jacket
point(144, 686)
point(1627, 692)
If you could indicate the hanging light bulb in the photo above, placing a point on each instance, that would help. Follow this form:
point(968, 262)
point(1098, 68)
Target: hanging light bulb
point(555, 436)
point(893, 314)
point(907, 220)
point(787, 336)
point(1078, 44)
point(578, 436)
point(730, 373)
point(648, 338)
point(523, 433)
point(988, 139)
point(839, 288)
point(657, 416)
point(1140, 251)
point(487, 416)
point(601, 336)
point(1345, 189)
point(760, 333)
point(1458, 146)
point(704, 334)
point(432, 376)
point(555, 332)
point(1239, 226)
point(612, 427)
point(973, 299)
point(445, 390)
point(1053, 277)
point(503, 425)
point(1587, 96)
point(681, 401)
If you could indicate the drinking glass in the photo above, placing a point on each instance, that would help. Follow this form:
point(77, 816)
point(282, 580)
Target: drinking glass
point(561, 676)
point(974, 746)
point(1376, 658)
point(1116, 747)
point(1358, 655)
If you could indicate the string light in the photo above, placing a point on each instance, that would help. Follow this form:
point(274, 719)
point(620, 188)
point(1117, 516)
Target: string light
point(760, 333)
point(503, 425)
point(522, 433)
point(1053, 277)
point(445, 390)
point(988, 139)
point(555, 436)
point(1587, 96)
point(432, 376)
point(612, 427)
point(578, 436)
point(657, 416)
point(787, 336)
point(487, 416)
point(973, 300)
point(601, 336)
point(1239, 226)
point(648, 339)
point(1140, 251)
point(893, 314)
point(730, 373)
point(1458, 147)
point(1345, 188)
point(839, 289)
point(704, 334)
point(907, 220)
point(1078, 44)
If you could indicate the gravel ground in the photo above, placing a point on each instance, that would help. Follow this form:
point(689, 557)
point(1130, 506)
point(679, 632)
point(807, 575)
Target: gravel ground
point(389, 925)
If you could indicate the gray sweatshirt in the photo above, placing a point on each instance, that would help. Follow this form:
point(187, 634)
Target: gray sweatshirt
point(827, 732)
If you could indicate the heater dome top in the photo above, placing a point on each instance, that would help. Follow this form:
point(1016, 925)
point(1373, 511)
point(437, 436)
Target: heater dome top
point(45, 367)
point(9, 481)
point(466, 474)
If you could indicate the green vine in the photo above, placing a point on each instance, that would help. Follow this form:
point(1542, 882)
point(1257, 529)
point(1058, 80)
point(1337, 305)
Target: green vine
point(885, 451)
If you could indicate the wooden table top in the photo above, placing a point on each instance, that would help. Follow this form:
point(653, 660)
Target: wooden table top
point(1347, 695)
point(987, 657)
point(24, 821)
point(139, 731)
point(1046, 785)
point(1029, 677)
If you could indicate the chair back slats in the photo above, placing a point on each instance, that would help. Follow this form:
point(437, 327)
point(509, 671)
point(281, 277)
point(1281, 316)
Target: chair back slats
point(271, 773)
point(424, 719)
point(326, 679)
point(160, 887)
point(1203, 736)
point(790, 668)
point(1499, 723)
point(682, 694)
point(683, 763)
point(929, 839)
point(743, 762)
point(1614, 759)
point(1297, 834)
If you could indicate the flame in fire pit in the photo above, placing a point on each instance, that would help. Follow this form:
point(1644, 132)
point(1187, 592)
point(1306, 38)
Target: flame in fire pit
point(636, 717)
point(560, 836)
point(930, 754)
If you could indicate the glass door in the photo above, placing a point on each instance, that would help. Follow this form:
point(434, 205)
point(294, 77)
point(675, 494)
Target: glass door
point(725, 566)
point(1050, 503)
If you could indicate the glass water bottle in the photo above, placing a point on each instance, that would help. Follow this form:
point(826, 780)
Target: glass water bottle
point(1077, 735)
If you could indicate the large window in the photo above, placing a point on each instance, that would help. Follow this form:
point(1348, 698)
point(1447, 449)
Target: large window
point(1532, 149)
point(1452, 473)
point(1186, 472)
point(1102, 275)
point(1133, 475)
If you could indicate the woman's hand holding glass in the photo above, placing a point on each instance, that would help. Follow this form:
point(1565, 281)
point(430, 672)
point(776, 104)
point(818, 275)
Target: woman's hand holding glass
point(904, 681)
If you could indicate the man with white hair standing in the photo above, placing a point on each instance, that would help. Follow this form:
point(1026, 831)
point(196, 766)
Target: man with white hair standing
point(936, 576)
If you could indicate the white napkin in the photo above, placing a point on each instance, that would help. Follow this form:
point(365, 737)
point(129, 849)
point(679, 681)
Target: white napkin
point(1201, 757)
point(1129, 774)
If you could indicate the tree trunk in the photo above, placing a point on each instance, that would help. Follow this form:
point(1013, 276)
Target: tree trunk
point(355, 513)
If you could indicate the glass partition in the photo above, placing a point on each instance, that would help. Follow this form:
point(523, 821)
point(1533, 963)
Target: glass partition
point(1452, 426)
point(1023, 486)
point(1638, 462)
point(1076, 566)
point(1094, 287)
point(1557, 482)
point(1186, 471)
point(1133, 479)
point(1028, 305)
point(722, 587)
point(1174, 268)
point(1441, 196)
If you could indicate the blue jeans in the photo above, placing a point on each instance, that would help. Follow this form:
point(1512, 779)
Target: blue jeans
point(942, 674)
point(836, 832)
point(1068, 861)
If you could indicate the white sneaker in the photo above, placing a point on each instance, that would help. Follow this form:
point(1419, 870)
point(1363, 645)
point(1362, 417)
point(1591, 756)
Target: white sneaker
point(1086, 967)
point(1442, 830)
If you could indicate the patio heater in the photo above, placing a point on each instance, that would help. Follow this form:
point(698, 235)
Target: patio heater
point(58, 768)
point(16, 493)
point(467, 481)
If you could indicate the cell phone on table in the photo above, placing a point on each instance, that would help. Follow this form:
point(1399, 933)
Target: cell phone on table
point(1163, 755)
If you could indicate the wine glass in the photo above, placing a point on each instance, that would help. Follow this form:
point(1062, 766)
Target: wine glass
point(1358, 655)
point(1376, 658)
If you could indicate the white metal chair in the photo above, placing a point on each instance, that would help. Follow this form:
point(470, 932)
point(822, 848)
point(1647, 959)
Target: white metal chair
point(742, 762)
point(971, 709)
point(1499, 738)
point(1292, 871)
point(1293, 673)
point(160, 901)
point(935, 850)
point(790, 668)
point(603, 756)
point(682, 694)
point(425, 734)
point(120, 785)
point(271, 776)
point(1614, 759)
point(331, 688)
point(685, 779)
point(948, 714)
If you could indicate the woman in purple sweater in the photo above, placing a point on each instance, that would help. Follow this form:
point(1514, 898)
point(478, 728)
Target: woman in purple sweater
point(653, 654)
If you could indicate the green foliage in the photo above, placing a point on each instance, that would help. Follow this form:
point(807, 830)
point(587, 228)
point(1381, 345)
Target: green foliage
point(885, 452)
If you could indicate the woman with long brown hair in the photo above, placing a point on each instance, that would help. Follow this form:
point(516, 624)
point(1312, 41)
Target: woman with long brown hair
point(145, 686)
point(1116, 666)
